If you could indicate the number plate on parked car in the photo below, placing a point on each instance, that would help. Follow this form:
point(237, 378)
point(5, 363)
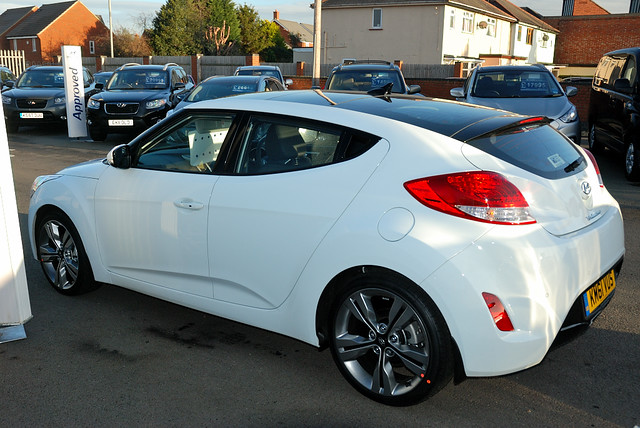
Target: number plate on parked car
point(121, 122)
point(31, 115)
point(598, 292)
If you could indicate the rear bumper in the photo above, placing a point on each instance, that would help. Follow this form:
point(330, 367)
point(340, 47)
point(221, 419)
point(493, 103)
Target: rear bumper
point(538, 277)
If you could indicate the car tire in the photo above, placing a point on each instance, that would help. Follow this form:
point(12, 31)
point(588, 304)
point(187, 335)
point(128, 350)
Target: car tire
point(397, 362)
point(595, 146)
point(632, 161)
point(97, 135)
point(62, 256)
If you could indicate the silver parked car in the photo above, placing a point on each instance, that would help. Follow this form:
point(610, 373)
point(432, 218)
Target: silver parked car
point(523, 89)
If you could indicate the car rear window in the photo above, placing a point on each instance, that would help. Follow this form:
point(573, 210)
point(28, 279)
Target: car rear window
point(535, 147)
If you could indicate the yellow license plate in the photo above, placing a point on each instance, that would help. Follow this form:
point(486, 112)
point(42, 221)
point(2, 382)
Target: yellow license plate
point(598, 293)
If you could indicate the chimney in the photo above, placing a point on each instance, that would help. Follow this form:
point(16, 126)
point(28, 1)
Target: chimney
point(634, 7)
point(567, 7)
point(276, 15)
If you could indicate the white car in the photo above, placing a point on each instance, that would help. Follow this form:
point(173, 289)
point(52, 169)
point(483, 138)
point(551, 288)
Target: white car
point(416, 238)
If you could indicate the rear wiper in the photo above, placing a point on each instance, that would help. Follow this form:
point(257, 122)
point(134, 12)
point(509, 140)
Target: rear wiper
point(573, 165)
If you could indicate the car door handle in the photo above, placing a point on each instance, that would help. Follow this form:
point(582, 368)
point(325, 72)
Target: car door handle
point(189, 204)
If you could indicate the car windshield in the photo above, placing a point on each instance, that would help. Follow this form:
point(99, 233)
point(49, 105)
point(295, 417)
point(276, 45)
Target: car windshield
point(516, 84)
point(259, 72)
point(102, 78)
point(215, 89)
point(139, 79)
point(364, 80)
point(41, 79)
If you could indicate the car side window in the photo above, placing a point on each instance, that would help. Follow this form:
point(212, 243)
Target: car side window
point(273, 145)
point(629, 72)
point(192, 145)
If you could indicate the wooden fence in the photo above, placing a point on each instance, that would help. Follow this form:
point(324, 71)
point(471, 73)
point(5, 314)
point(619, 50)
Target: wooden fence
point(14, 60)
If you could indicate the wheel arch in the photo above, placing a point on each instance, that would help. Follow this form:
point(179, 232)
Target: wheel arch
point(341, 280)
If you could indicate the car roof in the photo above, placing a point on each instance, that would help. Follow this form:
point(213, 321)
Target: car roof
point(494, 68)
point(634, 51)
point(239, 79)
point(458, 120)
point(259, 67)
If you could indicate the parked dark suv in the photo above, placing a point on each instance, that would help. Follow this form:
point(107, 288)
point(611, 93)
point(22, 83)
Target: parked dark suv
point(367, 75)
point(614, 108)
point(136, 97)
point(37, 97)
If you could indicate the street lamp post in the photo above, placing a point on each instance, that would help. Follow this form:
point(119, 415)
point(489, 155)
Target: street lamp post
point(110, 29)
point(317, 31)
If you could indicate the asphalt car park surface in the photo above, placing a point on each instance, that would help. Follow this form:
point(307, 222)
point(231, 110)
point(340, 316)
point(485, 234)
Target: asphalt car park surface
point(116, 357)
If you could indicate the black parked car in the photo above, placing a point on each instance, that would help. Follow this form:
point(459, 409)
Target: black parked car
point(38, 97)
point(367, 75)
point(135, 97)
point(224, 86)
point(7, 78)
point(614, 108)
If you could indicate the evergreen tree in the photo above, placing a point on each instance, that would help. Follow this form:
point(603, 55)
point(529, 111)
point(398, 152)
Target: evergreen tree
point(172, 29)
point(255, 33)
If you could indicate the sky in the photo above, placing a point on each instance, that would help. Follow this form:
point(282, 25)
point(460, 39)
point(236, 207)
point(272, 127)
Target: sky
point(126, 13)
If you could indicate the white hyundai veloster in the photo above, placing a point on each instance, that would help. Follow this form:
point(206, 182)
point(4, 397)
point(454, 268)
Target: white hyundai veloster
point(417, 238)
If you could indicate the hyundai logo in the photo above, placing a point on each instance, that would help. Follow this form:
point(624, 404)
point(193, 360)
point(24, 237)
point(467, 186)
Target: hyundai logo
point(121, 105)
point(586, 189)
point(31, 102)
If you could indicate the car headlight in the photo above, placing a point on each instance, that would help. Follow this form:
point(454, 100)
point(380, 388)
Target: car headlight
point(570, 116)
point(58, 100)
point(6, 99)
point(39, 181)
point(93, 104)
point(156, 103)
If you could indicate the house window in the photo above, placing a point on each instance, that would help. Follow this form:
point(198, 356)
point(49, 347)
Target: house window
point(519, 37)
point(376, 19)
point(92, 47)
point(529, 36)
point(491, 27)
point(33, 45)
point(467, 22)
point(452, 19)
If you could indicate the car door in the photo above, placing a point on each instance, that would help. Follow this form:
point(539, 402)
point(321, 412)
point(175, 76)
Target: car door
point(151, 219)
point(292, 181)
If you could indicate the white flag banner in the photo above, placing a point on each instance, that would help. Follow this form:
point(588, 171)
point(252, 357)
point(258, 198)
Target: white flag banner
point(74, 91)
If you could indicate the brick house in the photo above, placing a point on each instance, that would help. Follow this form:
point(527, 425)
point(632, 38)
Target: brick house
point(304, 32)
point(41, 34)
point(9, 19)
point(587, 31)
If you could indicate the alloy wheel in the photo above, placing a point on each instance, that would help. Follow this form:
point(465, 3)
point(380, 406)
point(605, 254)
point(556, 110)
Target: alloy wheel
point(58, 255)
point(382, 342)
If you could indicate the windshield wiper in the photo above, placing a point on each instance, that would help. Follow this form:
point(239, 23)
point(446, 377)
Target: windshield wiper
point(573, 165)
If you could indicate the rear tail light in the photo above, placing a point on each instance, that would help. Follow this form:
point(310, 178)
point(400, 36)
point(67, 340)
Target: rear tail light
point(481, 196)
point(498, 312)
point(595, 165)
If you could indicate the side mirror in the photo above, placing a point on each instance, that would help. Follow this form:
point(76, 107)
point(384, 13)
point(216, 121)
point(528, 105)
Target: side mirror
point(99, 86)
point(179, 85)
point(571, 91)
point(457, 92)
point(120, 157)
point(288, 82)
point(414, 89)
point(623, 85)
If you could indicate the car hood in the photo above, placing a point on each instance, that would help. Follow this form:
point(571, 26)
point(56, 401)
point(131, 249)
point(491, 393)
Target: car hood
point(551, 107)
point(129, 95)
point(35, 92)
point(89, 169)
